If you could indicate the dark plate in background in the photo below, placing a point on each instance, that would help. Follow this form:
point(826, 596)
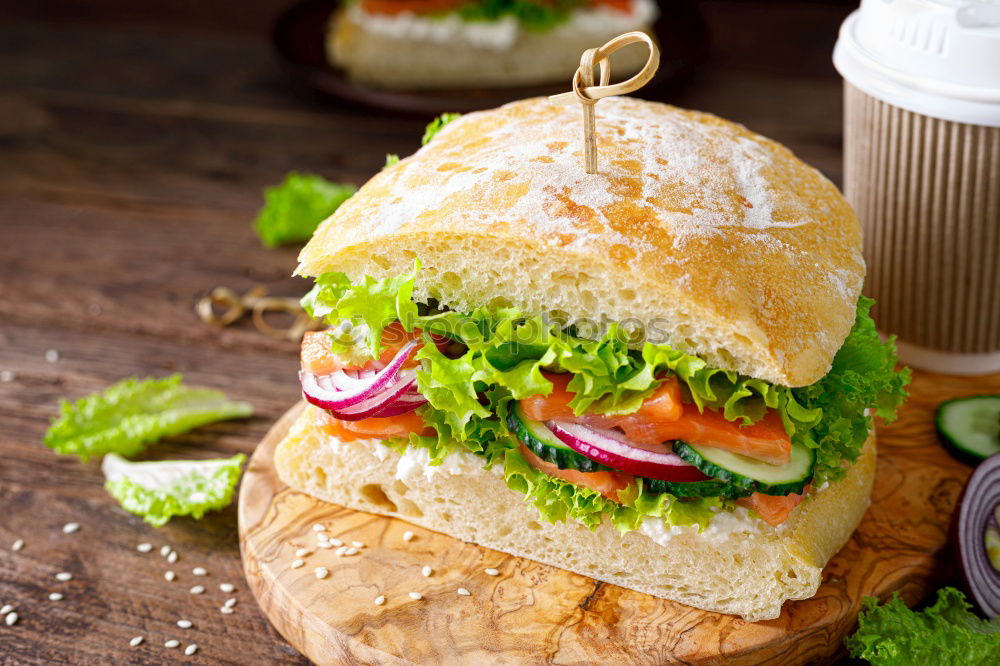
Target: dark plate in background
point(299, 37)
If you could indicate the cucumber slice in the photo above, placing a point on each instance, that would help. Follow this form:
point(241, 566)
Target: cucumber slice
point(970, 426)
point(749, 474)
point(544, 444)
point(710, 488)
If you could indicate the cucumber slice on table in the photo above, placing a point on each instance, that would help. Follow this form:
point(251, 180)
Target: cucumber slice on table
point(749, 474)
point(971, 426)
point(544, 444)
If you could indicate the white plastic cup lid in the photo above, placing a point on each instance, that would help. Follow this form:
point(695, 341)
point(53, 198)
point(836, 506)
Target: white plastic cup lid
point(940, 58)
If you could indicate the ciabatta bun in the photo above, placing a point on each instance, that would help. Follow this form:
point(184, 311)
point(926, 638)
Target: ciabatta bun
point(740, 566)
point(716, 240)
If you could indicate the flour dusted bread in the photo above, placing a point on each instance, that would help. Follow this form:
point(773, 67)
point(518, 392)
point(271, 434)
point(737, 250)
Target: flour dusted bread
point(711, 238)
point(741, 566)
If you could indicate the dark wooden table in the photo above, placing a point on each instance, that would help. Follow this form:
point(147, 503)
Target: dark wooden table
point(135, 139)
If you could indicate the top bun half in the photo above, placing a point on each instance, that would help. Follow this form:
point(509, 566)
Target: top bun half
point(706, 236)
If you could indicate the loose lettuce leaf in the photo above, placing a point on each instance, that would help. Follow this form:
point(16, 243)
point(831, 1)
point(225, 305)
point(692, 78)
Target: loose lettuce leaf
point(157, 491)
point(944, 633)
point(133, 413)
point(293, 209)
point(436, 126)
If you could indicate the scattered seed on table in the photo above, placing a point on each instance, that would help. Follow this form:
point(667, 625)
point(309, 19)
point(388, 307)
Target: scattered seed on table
point(55, 596)
point(135, 641)
point(407, 535)
point(491, 572)
point(172, 643)
point(357, 544)
point(226, 587)
point(226, 610)
point(69, 528)
point(51, 355)
point(298, 563)
point(191, 649)
point(230, 602)
point(341, 551)
point(303, 552)
point(17, 545)
point(351, 551)
point(336, 542)
point(144, 547)
point(199, 571)
point(11, 619)
point(197, 589)
point(169, 575)
point(6, 376)
point(318, 527)
point(172, 557)
point(165, 550)
point(416, 596)
point(464, 592)
point(325, 544)
point(6, 609)
point(322, 572)
point(379, 600)
point(64, 576)
point(426, 571)
point(184, 624)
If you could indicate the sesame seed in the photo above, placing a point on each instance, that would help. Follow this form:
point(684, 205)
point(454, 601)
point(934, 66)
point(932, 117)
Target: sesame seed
point(69, 528)
point(172, 557)
point(64, 576)
point(325, 544)
point(416, 596)
point(184, 624)
point(351, 551)
point(169, 575)
point(336, 542)
point(379, 600)
point(226, 610)
point(164, 551)
point(226, 587)
point(144, 547)
point(6, 609)
point(303, 552)
point(172, 643)
point(135, 641)
point(17, 545)
point(298, 563)
point(230, 602)
point(197, 589)
point(464, 592)
point(321, 536)
point(11, 619)
point(318, 527)
point(426, 571)
point(51, 355)
point(55, 596)
point(199, 571)
point(407, 535)
point(191, 649)
point(322, 572)
point(357, 544)
point(491, 572)
point(6, 376)
point(341, 551)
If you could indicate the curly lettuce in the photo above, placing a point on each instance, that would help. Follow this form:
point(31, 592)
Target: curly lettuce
point(436, 126)
point(129, 415)
point(158, 491)
point(294, 209)
point(534, 15)
point(945, 633)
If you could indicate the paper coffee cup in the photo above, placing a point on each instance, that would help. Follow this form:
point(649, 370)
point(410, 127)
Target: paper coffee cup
point(922, 170)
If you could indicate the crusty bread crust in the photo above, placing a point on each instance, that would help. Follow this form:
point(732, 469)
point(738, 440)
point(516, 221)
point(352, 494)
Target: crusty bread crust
point(399, 63)
point(740, 570)
point(708, 237)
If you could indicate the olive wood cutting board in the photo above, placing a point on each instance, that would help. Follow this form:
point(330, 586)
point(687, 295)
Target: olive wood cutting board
point(533, 613)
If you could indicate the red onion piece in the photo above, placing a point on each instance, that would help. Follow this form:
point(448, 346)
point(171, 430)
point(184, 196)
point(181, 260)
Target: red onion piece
point(977, 507)
point(613, 449)
point(373, 406)
point(322, 392)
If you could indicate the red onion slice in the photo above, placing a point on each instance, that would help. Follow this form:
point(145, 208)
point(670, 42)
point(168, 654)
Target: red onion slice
point(613, 449)
point(976, 512)
point(322, 392)
point(404, 382)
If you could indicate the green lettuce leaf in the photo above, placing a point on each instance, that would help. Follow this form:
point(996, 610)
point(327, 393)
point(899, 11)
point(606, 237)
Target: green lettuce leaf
point(436, 126)
point(539, 16)
point(946, 633)
point(294, 209)
point(133, 413)
point(157, 491)
point(391, 159)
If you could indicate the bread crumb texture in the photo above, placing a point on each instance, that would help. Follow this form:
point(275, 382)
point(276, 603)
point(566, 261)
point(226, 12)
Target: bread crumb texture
point(697, 232)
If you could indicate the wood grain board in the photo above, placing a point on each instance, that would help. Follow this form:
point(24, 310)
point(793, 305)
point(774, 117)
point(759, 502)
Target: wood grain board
point(534, 613)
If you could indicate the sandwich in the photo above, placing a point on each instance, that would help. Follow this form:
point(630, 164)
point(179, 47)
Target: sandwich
point(427, 44)
point(661, 376)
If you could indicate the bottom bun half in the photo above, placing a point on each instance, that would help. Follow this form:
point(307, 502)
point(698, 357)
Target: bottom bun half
point(738, 565)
